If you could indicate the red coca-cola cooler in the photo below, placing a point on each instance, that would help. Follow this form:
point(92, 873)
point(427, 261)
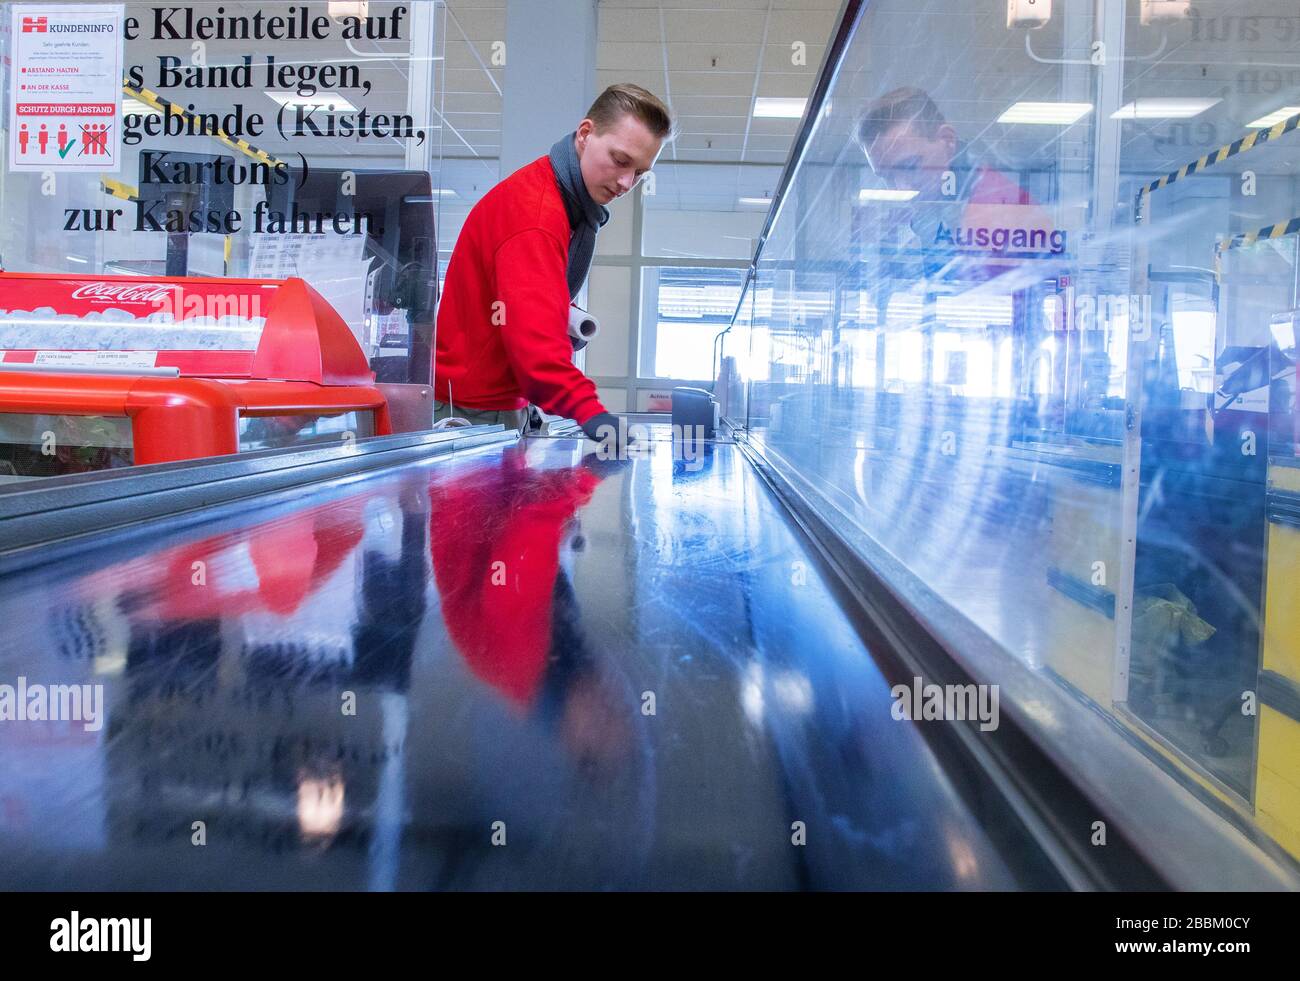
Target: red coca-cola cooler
point(107, 371)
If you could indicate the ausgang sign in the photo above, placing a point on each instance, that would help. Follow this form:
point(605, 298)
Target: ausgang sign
point(65, 88)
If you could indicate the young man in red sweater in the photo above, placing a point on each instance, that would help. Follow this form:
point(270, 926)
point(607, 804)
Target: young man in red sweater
point(522, 256)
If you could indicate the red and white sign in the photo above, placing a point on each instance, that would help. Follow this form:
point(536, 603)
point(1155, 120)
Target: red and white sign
point(124, 292)
point(65, 76)
point(214, 300)
point(202, 327)
point(97, 359)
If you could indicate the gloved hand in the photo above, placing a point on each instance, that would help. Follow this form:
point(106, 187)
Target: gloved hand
point(611, 432)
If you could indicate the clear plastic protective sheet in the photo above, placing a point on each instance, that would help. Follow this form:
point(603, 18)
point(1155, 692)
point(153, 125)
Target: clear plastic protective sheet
point(1024, 323)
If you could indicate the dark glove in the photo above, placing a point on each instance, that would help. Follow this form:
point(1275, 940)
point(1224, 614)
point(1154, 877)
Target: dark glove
point(598, 426)
point(611, 432)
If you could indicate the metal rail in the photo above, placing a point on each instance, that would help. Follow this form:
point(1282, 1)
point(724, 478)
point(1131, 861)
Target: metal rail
point(41, 520)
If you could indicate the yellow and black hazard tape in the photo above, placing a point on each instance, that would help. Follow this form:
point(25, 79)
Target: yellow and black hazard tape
point(1255, 139)
point(119, 190)
point(158, 102)
point(1279, 230)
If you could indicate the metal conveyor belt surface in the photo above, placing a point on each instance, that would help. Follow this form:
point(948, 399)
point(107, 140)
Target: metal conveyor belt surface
point(517, 667)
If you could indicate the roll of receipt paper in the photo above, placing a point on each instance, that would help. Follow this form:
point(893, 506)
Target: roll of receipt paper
point(582, 325)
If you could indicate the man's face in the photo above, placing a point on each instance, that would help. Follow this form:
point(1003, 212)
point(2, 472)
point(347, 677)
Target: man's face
point(907, 159)
point(613, 161)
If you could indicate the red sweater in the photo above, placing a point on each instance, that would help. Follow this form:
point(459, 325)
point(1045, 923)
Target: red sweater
point(517, 516)
point(503, 324)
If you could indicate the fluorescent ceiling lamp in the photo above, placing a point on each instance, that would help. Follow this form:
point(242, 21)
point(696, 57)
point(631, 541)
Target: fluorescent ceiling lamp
point(1046, 113)
point(760, 201)
point(348, 8)
point(441, 192)
point(1155, 11)
point(885, 194)
point(769, 108)
point(1167, 108)
point(1273, 118)
point(1028, 13)
point(319, 101)
point(139, 108)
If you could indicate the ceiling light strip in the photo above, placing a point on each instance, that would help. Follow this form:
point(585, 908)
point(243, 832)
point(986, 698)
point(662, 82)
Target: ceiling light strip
point(1275, 117)
point(1159, 107)
point(1046, 113)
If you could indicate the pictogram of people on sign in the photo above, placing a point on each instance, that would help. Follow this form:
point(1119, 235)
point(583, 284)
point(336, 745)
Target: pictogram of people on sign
point(94, 140)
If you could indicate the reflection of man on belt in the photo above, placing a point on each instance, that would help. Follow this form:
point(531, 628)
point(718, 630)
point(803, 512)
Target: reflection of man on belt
point(964, 212)
point(523, 255)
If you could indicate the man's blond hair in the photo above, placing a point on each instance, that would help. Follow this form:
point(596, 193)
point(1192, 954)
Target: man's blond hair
point(618, 101)
point(905, 105)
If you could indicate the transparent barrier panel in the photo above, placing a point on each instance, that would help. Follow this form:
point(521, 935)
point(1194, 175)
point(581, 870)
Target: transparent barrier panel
point(42, 445)
point(1025, 321)
point(258, 140)
point(265, 432)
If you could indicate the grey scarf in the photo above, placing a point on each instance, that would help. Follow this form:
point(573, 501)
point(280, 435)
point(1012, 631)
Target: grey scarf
point(585, 215)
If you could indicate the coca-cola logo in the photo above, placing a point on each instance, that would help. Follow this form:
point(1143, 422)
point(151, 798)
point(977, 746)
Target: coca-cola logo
point(123, 292)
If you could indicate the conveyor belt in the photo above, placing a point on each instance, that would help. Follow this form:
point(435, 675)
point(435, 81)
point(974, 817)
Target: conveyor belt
point(514, 668)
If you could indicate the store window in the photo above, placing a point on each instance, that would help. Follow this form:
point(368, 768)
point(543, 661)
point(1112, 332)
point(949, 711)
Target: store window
point(683, 311)
point(706, 210)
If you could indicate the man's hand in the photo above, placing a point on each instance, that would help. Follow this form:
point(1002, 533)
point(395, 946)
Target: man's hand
point(611, 432)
